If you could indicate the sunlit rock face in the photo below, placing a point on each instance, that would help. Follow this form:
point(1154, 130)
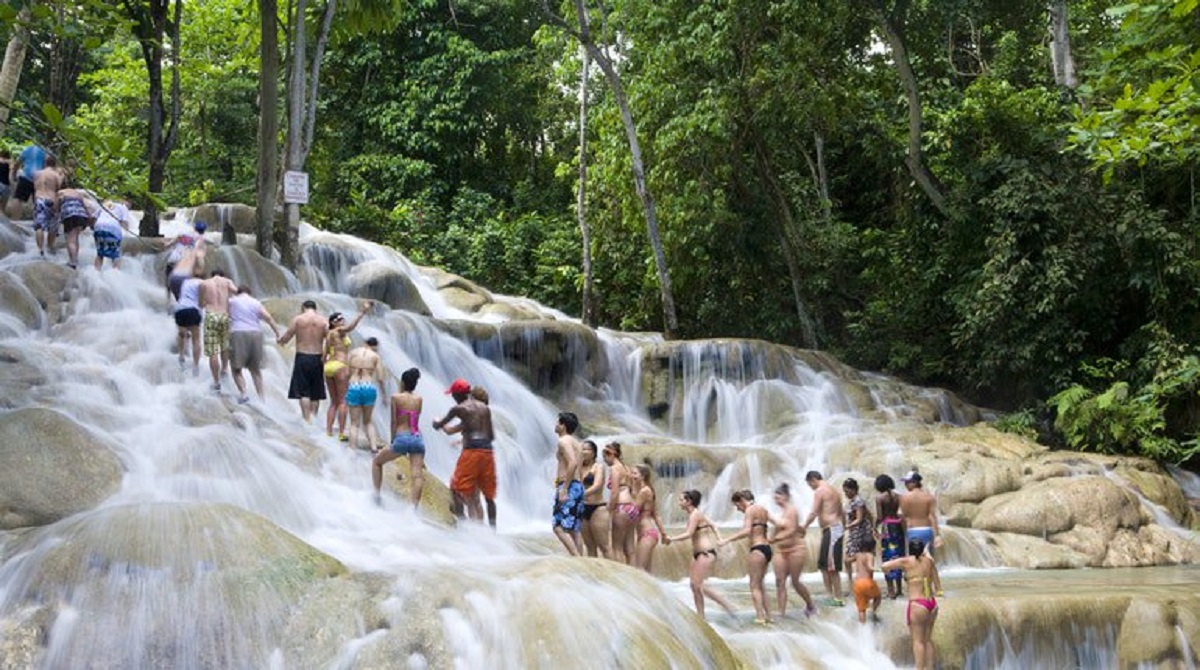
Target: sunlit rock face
point(50, 468)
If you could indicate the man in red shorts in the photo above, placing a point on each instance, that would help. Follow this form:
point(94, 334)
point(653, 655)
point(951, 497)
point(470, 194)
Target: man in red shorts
point(476, 468)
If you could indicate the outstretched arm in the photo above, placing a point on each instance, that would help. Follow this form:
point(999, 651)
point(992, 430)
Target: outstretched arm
point(361, 313)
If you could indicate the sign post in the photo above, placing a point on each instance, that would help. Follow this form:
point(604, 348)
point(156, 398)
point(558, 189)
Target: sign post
point(295, 188)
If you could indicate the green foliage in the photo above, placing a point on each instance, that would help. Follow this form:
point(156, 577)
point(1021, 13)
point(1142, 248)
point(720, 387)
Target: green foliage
point(1022, 422)
point(1145, 90)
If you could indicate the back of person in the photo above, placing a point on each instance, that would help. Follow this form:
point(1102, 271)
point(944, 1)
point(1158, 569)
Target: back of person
point(243, 313)
point(33, 159)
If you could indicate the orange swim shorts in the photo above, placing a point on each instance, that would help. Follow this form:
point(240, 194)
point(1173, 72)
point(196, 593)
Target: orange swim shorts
point(865, 592)
point(476, 471)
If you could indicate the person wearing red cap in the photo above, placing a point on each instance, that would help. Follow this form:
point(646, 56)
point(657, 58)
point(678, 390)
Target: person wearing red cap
point(476, 468)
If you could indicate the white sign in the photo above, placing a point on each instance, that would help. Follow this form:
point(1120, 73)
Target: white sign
point(295, 187)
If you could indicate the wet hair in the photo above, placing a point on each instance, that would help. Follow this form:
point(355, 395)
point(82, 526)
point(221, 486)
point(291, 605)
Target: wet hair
point(569, 421)
point(479, 393)
point(334, 318)
point(783, 490)
point(692, 496)
point(216, 272)
point(850, 484)
point(372, 342)
point(745, 495)
point(813, 475)
point(644, 470)
point(588, 444)
point(51, 161)
point(408, 379)
point(866, 545)
point(916, 548)
point(308, 304)
point(244, 289)
point(614, 447)
point(884, 483)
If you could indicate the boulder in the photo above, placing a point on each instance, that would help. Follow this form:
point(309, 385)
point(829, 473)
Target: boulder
point(458, 292)
point(1156, 485)
point(1083, 513)
point(51, 467)
point(20, 373)
point(209, 585)
point(19, 302)
point(49, 283)
point(463, 300)
point(219, 215)
point(383, 283)
point(247, 266)
point(12, 238)
point(435, 495)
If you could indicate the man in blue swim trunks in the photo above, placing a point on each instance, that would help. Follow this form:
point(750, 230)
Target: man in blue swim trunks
point(919, 509)
point(568, 501)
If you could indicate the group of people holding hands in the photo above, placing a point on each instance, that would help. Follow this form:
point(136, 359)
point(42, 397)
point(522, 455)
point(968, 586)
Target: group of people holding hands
point(626, 527)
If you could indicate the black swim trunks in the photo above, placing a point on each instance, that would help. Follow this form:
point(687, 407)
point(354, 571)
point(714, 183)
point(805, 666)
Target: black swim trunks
point(831, 554)
point(308, 378)
point(24, 189)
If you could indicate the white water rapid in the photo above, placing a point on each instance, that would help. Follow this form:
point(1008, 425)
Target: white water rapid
point(238, 537)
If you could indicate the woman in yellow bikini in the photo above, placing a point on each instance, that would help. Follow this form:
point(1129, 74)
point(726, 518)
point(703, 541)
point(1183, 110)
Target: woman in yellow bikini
point(919, 571)
point(337, 375)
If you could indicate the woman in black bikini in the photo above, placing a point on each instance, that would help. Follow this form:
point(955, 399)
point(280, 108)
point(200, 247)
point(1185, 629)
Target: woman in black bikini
point(755, 527)
point(597, 534)
point(704, 550)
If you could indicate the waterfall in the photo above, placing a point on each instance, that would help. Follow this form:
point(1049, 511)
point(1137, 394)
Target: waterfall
point(238, 536)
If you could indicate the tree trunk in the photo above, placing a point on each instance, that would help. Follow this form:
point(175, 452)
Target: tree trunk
point(589, 300)
point(789, 242)
point(670, 321)
point(1061, 60)
point(151, 25)
point(14, 62)
point(822, 177)
point(268, 125)
point(287, 237)
point(314, 80)
point(915, 160)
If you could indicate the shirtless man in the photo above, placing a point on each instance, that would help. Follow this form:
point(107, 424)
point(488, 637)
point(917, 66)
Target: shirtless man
point(827, 509)
point(366, 378)
point(568, 502)
point(918, 508)
point(46, 184)
point(308, 379)
point(215, 293)
point(476, 468)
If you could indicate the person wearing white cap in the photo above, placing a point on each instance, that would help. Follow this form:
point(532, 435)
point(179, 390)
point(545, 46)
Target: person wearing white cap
point(919, 509)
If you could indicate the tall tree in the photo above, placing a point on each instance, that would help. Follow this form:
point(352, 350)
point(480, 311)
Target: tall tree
point(14, 62)
point(585, 230)
point(892, 22)
point(153, 22)
point(582, 32)
point(1061, 60)
point(267, 180)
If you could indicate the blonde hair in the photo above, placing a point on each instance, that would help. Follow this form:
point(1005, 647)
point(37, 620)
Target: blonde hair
point(480, 394)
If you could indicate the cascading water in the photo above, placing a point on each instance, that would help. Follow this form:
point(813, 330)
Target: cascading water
point(240, 537)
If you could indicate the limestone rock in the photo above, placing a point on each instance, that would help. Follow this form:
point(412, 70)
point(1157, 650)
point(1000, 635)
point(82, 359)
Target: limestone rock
point(218, 215)
point(376, 280)
point(12, 238)
point(51, 468)
point(49, 283)
point(1152, 482)
point(247, 266)
point(1082, 512)
point(18, 302)
point(435, 495)
point(1147, 633)
point(462, 299)
point(20, 373)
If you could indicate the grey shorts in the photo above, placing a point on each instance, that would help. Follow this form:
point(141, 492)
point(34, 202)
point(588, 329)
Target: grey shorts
point(246, 350)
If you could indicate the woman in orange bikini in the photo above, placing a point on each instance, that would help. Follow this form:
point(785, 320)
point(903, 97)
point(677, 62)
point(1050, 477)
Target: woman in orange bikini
point(649, 527)
point(755, 528)
point(337, 375)
point(919, 571)
point(705, 537)
point(790, 552)
point(621, 508)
